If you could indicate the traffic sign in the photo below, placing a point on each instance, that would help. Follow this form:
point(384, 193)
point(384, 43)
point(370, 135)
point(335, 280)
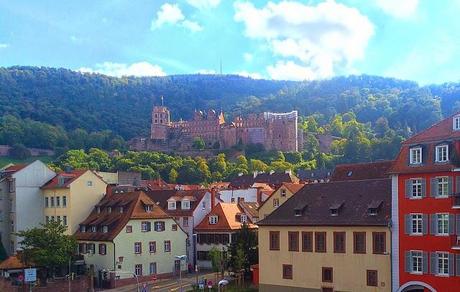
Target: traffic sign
point(30, 275)
point(154, 278)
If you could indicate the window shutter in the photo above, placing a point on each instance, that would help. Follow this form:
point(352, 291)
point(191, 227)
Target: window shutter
point(450, 189)
point(433, 224)
point(457, 264)
point(451, 264)
point(433, 186)
point(425, 224)
point(457, 184)
point(408, 263)
point(407, 224)
point(425, 262)
point(457, 224)
point(423, 188)
point(433, 263)
point(451, 224)
point(149, 226)
point(408, 188)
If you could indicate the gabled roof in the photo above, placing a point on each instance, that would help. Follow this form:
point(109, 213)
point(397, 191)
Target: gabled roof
point(293, 188)
point(273, 179)
point(133, 204)
point(313, 202)
point(227, 218)
point(442, 130)
point(360, 171)
point(15, 167)
point(315, 174)
point(12, 263)
point(250, 208)
point(68, 178)
point(161, 197)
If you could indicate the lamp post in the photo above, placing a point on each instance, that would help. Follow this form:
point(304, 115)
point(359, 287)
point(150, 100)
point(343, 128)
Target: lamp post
point(180, 258)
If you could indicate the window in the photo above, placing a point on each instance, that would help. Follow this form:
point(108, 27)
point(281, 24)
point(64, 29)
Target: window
point(145, 226)
point(442, 153)
point(276, 203)
point(274, 240)
point(129, 229)
point(152, 246)
point(153, 268)
point(89, 183)
point(91, 248)
point(138, 247)
point(416, 262)
point(416, 188)
point(147, 208)
point(58, 219)
point(82, 227)
point(417, 224)
point(287, 272)
point(327, 275)
point(359, 242)
point(52, 201)
point(213, 219)
point(46, 202)
point(52, 218)
point(283, 193)
point(185, 221)
point(105, 229)
point(442, 189)
point(159, 226)
point(293, 241)
point(320, 241)
point(443, 263)
point(379, 242)
point(64, 201)
point(81, 248)
point(167, 246)
point(98, 210)
point(243, 218)
point(174, 227)
point(58, 201)
point(415, 155)
point(185, 204)
point(203, 205)
point(456, 123)
point(372, 278)
point(307, 241)
point(339, 242)
point(64, 220)
point(138, 269)
point(109, 210)
point(442, 224)
point(102, 249)
point(93, 228)
point(172, 205)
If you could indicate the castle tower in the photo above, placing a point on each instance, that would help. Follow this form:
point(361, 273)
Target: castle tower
point(161, 121)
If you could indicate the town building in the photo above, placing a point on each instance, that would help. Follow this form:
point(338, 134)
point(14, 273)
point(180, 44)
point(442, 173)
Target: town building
point(257, 193)
point(217, 230)
point(272, 178)
point(21, 203)
point(188, 208)
point(279, 197)
point(329, 237)
point(70, 196)
point(128, 233)
point(426, 216)
point(275, 131)
point(361, 171)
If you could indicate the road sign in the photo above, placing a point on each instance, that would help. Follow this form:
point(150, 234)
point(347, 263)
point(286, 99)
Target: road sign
point(20, 278)
point(30, 275)
point(209, 284)
point(154, 278)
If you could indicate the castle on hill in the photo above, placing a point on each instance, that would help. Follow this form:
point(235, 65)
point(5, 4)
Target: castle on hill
point(275, 131)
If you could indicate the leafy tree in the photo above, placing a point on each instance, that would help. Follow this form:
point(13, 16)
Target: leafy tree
point(198, 143)
point(216, 259)
point(19, 151)
point(244, 250)
point(173, 175)
point(3, 254)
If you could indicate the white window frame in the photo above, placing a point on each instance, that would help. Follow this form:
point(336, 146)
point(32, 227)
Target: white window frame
point(93, 228)
point(418, 158)
point(442, 185)
point(185, 204)
point(47, 204)
point(151, 265)
point(417, 222)
point(89, 183)
point(442, 153)
point(105, 229)
point(64, 201)
point(243, 218)
point(283, 193)
point(138, 269)
point(416, 188)
point(276, 202)
point(137, 248)
point(172, 205)
point(442, 263)
point(456, 123)
point(144, 225)
point(213, 219)
point(416, 262)
point(442, 222)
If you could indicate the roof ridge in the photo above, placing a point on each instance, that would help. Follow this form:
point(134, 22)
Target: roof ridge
point(407, 141)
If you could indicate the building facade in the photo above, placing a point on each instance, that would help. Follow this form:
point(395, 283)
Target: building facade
point(70, 196)
point(426, 184)
point(279, 197)
point(276, 131)
point(328, 237)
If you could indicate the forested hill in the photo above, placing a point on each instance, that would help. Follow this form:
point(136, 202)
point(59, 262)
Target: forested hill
point(70, 100)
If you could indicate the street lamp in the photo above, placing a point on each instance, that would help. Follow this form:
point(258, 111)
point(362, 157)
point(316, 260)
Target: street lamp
point(180, 258)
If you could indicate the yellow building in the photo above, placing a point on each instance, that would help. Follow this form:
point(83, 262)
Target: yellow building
point(128, 233)
point(70, 196)
point(329, 237)
point(279, 196)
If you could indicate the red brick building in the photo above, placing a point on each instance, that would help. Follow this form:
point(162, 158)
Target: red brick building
point(426, 210)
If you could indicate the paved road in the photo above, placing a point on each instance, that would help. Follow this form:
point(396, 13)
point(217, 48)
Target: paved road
point(167, 285)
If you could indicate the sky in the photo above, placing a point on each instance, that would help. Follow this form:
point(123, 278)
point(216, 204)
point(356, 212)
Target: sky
point(285, 40)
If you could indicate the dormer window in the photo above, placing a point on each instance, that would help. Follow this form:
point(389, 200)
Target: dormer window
point(109, 209)
point(105, 229)
point(172, 205)
point(243, 218)
point(297, 212)
point(415, 155)
point(61, 180)
point(93, 228)
point(148, 208)
point(121, 210)
point(374, 207)
point(213, 219)
point(98, 210)
point(283, 193)
point(82, 228)
point(442, 153)
point(335, 209)
point(185, 205)
point(334, 212)
point(456, 123)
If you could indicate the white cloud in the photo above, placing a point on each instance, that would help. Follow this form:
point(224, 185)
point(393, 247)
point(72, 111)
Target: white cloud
point(399, 8)
point(313, 40)
point(248, 57)
point(4, 46)
point(252, 75)
point(203, 4)
point(120, 69)
point(172, 14)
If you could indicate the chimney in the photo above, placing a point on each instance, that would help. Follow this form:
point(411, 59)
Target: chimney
point(290, 172)
point(259, 196)
point(108, 190)
point(255, 173)
point(213, 197)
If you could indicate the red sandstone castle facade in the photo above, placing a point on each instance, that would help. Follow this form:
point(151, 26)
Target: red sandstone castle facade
point(276, 131)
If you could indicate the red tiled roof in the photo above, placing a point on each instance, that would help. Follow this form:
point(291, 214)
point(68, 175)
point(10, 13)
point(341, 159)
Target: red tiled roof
point(293, 188)
point(11, 263)
point(227, 213)
point(16, 167)
point(133, 208)
point(161, 197)
point(69, 177)
point(360, 171)
point(442, 130)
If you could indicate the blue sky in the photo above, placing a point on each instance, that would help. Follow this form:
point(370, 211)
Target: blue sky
point(296, 40)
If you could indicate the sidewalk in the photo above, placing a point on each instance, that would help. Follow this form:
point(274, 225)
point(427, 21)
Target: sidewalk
point(165, 285)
